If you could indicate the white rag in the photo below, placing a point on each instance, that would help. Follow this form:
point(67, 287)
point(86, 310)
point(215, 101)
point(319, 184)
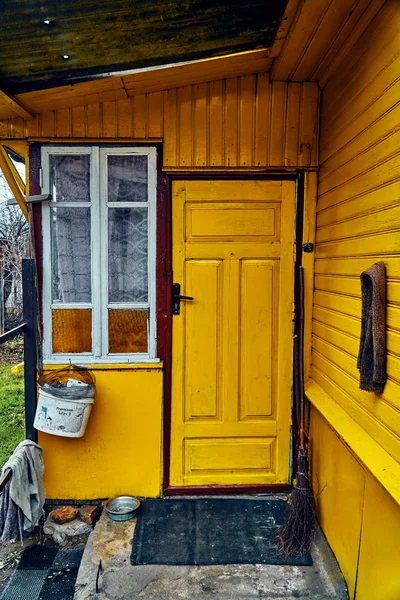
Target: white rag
point(26, 487)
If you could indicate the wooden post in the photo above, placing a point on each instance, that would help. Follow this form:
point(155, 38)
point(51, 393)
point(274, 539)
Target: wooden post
point(1, 292)
point(29, 294)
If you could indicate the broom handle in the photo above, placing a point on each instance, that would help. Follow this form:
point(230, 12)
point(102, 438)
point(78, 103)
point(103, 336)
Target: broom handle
point(301, 358)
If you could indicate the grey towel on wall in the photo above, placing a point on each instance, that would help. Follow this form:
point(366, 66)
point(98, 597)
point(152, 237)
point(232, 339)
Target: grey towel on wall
point(372, 355)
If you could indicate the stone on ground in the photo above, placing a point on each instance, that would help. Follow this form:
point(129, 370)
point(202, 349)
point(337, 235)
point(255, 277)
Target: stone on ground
point(62, 533)
point(63, 514)
point(89, 514)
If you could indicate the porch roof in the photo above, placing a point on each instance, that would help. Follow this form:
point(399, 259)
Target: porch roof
point(120, 49)
point(50, 43)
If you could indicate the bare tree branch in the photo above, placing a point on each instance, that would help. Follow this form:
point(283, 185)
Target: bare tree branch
point(14, 240)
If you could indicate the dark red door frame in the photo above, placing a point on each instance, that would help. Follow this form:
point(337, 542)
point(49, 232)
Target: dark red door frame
point(35, 163)
point(165, 195)
point(164, 282)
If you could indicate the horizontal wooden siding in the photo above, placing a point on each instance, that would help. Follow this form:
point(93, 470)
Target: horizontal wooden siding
point(358, 222)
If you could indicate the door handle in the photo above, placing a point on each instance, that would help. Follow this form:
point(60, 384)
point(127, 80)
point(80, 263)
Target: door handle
point(177, 297)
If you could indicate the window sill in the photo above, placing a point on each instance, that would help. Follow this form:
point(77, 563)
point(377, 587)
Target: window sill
point(379, 462)
point(153, 365)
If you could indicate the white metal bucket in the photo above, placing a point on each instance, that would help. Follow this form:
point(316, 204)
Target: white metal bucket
point(62, 416)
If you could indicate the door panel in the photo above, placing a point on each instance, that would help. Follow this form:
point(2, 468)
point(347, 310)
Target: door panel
point(232, 345)
point(203, 341)
point(256, 323)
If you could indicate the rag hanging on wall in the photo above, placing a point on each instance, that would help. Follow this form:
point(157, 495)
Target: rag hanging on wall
point(372, 355)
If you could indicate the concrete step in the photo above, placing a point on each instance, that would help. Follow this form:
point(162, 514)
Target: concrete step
point(111, 543)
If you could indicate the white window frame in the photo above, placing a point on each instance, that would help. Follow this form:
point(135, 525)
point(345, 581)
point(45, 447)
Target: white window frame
point(99, 256)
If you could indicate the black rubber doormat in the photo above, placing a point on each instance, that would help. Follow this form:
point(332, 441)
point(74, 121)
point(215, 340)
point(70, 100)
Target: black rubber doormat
point(45, 573)
point(210, 531)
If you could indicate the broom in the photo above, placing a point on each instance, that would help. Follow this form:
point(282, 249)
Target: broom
point(295, 535)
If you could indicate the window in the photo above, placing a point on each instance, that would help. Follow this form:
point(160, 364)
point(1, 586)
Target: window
point(99, 247)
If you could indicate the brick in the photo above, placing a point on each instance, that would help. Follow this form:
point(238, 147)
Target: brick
point(65, 514)
point(89, 514)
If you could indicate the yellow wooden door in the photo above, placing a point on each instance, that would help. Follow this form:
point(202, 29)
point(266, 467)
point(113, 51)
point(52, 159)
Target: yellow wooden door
point(232, 345)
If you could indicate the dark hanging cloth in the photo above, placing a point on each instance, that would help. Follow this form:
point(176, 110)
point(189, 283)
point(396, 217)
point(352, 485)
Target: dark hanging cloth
point(372, 355)
point(11, 518)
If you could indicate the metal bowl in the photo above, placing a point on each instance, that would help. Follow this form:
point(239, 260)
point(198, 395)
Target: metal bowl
point(122, 508)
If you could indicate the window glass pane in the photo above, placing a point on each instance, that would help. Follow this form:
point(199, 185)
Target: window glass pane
point(18, 162)
point(127, 255)
point(127, 178)
point(70, 177)
point(127, 331)
point(70, 253)
point(72, 330)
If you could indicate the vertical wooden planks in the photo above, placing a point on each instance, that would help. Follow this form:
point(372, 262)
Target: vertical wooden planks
point(262, 120)
point(5, 128)
point(292, 124)
point(139, 111)
point(309, 124)
point(94, 120)
point(17, 129)
point(170, 127)
point(241, 122)
point(78, 114)
point(48, 124)
point(216, 123)
point(155, 114)
point(278, 123)
point(33, 126)
point(63, 123)
point(201, 127)
point(246, 120)
point(109, 119)
point(124, 118)
point(231, 122)
point(185, 126)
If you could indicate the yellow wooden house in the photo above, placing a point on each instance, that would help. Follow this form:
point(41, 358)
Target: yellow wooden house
point(176, 147)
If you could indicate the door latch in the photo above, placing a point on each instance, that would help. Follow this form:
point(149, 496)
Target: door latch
point(176, 298)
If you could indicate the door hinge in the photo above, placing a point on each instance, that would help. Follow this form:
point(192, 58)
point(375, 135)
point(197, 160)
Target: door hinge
point(294, 252)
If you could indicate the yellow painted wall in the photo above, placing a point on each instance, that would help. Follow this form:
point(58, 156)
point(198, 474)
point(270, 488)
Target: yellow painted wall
point(360, 519)
point(339, 490)
point(358, 222)
point(237, 122)
point(229, 124)
point(378, 573)
point(120, 452)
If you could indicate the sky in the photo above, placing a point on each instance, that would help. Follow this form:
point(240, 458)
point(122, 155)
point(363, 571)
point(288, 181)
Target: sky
point(5, 192)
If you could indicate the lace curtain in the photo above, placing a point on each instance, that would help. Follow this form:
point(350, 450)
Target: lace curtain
point(127, 178)
point(70, 229)
point(127, 230)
